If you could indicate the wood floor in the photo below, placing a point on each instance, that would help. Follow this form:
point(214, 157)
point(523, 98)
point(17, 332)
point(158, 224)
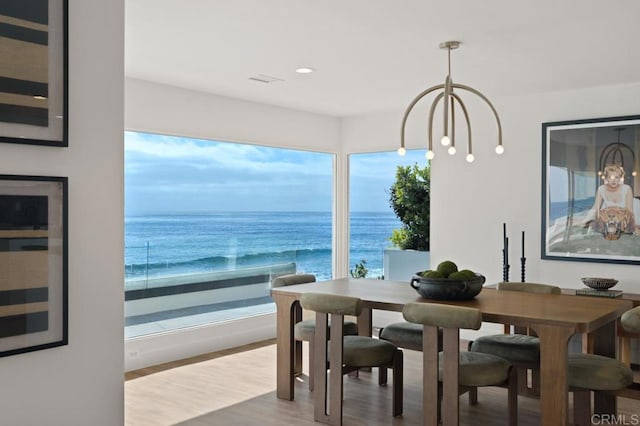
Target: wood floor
point(237, 387)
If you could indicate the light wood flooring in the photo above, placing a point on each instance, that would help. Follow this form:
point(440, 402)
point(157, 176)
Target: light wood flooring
point(237, 387)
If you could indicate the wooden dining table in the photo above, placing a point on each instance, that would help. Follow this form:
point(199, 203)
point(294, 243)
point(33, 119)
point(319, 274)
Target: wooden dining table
point(554, 318)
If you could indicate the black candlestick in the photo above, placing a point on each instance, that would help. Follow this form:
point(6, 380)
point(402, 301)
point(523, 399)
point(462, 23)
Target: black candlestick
point(523, 260)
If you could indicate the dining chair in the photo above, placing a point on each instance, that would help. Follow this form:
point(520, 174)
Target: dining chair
point(450, 373)
point(342, 354)
point(630, 322)
point(405, 335)
point(589, 372)
point(304, 330)
point(520, 348)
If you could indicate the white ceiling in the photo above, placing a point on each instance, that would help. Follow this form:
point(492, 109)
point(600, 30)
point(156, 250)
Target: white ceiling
point(376, 55)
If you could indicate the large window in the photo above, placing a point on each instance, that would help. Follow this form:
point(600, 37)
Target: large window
point(371, 219)
point(208, 225)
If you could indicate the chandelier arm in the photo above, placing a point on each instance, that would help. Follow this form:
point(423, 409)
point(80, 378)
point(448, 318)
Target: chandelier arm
point(453, 121)
point(447, 96)
point(431, 112)
point(466, 118)
point(488, 102)
point(410, 107)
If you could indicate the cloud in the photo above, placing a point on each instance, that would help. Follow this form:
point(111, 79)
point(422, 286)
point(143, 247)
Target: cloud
point(203, 175)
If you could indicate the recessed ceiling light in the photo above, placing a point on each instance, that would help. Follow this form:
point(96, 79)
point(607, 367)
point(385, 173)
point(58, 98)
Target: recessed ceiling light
point(305, 70)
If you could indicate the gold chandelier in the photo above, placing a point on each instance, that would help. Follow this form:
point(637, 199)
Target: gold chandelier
point(450, 99)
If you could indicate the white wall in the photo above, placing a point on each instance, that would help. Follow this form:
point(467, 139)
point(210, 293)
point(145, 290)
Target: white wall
point(169, 110)
point(82, 383)
point(469, 202)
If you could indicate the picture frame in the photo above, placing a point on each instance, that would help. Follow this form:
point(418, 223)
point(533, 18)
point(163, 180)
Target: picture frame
point(33, 263)
point(591, 190)
point(34, 72)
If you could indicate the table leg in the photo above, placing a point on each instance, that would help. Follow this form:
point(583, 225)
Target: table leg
point(604, 343)
point(285, 346)
point(553, 373)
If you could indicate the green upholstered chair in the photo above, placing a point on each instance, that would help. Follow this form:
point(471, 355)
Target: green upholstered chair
point(630, 320)
point(520, 348)
point(450, 373)
point(405, 335)
point(588, 372)
point(343, 354)
point(304, 330)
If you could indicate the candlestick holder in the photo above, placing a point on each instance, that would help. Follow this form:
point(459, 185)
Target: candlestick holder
point(523, 261)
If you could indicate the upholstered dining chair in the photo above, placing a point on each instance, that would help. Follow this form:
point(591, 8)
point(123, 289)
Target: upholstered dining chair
point(304, 330)
point(342, 354)
point(450, 372)
point(589, 372)
point(520, 348)
point(405, 335)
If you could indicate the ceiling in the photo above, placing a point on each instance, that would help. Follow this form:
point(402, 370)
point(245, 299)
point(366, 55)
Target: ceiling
point(376, 55)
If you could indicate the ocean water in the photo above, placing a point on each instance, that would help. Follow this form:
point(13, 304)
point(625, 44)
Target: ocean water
point(166, 245)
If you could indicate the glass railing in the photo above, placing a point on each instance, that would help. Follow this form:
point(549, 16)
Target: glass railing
point(164, 295)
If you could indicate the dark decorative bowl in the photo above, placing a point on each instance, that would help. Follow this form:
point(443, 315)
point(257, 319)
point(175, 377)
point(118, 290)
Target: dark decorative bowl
point(599, 283)
point(446, 289)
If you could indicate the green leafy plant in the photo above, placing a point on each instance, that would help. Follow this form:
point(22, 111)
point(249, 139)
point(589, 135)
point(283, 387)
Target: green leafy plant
point(410, 201)
point(360, 270)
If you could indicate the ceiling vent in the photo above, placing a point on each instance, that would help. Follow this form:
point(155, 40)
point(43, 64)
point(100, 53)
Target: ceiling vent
point(265, 78)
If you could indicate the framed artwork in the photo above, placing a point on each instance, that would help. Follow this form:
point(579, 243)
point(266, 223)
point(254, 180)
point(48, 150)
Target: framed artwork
point(33, 72)
point(591, 190)
point(33, 263)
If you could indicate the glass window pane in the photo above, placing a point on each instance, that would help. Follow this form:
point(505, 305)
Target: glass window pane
point(371, 218)
point(208, 224)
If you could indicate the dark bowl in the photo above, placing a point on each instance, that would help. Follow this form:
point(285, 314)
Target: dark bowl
point(446, 289)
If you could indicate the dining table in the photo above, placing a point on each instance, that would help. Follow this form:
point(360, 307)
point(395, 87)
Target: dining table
point(554, 318)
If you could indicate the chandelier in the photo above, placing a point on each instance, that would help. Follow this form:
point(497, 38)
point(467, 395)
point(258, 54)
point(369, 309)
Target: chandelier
point(449, 98)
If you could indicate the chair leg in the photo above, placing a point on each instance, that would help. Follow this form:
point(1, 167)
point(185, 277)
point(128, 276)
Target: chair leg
point(382, 376)
point(523, 381)
point(398, 366)
point(582, 407)
point(512, 397)
point(312, 363)
point(297, 365)
point(535, 383)
point(473, 396)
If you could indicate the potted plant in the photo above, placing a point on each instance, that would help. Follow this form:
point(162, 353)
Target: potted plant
point(410, 200)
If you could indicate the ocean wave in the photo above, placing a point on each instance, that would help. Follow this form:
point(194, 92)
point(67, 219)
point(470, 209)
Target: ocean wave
point(212, 263)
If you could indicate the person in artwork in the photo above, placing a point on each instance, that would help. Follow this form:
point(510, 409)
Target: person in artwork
point(612, 213)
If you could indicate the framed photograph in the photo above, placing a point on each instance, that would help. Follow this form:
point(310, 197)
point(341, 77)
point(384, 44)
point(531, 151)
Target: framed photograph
point(33, 263)
point(591, 190)
point(33, 72)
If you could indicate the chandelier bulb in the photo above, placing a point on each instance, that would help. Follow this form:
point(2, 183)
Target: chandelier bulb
point(445, 141)
point(634, 173)
point(470, 158)
point(430, 155)
point(402, 151)
point(499, 149)
point(451, 150)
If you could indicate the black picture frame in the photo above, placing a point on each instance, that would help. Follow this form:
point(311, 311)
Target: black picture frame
point(33, 263)
point(587, 216)
point(34, 72)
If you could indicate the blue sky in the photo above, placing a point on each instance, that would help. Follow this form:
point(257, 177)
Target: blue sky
point(168, 174)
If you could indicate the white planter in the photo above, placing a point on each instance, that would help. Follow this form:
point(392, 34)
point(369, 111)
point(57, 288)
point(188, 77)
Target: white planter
point(400, 265)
